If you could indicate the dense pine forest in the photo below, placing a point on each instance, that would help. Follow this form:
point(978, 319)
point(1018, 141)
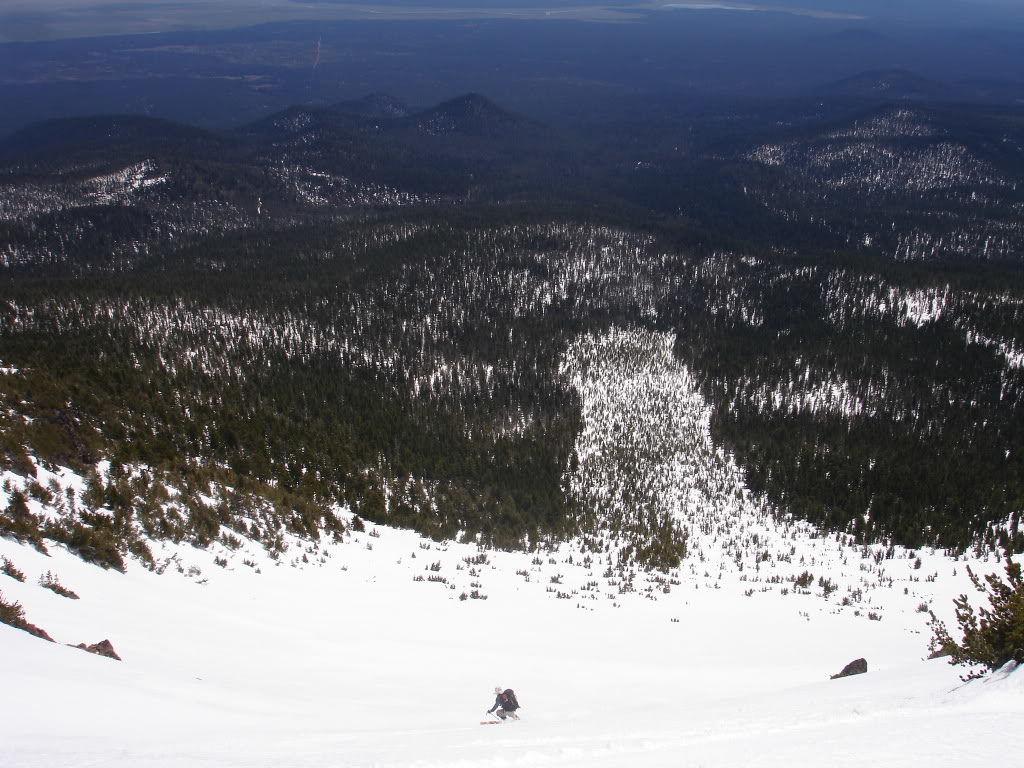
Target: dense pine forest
point(244, 332)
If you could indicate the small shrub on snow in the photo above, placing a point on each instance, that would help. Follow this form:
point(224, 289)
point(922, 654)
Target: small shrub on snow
point(12, 571)
point(11, 613)
point(95, 541)
point(49, 581)
point(14, 615)
point(39, 493)
point(141, 550)
point(18, 522)
point(993, 636)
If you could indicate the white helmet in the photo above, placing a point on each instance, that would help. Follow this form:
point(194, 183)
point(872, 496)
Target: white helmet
point(498, 689)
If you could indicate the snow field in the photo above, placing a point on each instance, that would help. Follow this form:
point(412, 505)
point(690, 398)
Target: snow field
point(350, 662)
point(646, 456)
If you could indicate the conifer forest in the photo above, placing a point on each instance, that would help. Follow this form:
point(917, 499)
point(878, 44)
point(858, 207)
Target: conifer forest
point(465, 322)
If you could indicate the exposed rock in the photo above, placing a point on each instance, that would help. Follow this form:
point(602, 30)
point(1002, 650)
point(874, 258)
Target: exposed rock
point(102, 648)
point(856, 667)
point(938, 653)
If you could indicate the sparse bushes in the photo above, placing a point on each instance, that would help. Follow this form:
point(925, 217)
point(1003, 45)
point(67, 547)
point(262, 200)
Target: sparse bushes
point(50, 581)
point(9, 568)
point(11, 613)
point(804, 580)
point(141, 550)
point(994, 635)
point(95, 543)
point(18, 521)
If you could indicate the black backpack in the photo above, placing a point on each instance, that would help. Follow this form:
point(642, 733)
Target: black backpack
point(510, 704)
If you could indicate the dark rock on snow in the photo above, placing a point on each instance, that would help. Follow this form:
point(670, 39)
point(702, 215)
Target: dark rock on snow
point(856, 667)
point(102, 648)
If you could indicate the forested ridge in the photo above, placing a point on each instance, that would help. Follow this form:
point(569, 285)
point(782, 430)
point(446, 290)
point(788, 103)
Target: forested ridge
point(879, 407)
point(223, 343)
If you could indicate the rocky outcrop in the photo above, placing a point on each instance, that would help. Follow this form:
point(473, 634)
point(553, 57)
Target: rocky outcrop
point(855, 667)
point(102, 648)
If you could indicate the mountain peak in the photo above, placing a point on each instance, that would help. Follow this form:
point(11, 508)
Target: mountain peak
point(471, 114)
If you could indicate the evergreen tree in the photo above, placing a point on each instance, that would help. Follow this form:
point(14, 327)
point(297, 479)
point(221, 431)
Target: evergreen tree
point(995, 634)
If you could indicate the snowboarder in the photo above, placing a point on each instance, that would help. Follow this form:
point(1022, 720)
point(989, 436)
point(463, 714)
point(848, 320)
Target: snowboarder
point(505, 705)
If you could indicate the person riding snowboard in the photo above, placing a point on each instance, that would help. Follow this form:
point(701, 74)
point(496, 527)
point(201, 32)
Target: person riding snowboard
point(505, 705)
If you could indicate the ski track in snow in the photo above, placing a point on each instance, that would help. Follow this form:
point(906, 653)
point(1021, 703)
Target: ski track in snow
point(359, 653)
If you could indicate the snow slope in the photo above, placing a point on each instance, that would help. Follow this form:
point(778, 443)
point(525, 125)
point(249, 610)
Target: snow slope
point(347, 660)
point(382, 648)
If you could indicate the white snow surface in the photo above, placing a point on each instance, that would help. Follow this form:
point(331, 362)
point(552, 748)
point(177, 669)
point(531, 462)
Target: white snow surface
point(346, 660)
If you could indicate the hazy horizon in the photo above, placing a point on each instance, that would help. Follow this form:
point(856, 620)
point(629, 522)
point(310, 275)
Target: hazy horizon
point(39, 20)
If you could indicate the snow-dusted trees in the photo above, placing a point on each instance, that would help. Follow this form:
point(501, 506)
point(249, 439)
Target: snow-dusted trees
point(992, 636)
point(434, 374)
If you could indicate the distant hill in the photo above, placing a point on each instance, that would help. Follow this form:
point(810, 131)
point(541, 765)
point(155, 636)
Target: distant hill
point(301, 120)
point(893, 85)
point(379, 105)
point(469, 115)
